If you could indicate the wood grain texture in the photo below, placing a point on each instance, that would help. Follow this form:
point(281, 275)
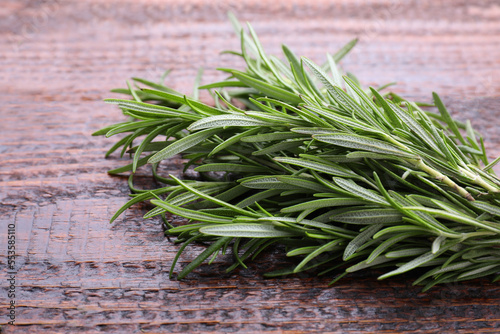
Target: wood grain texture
point(77, 273)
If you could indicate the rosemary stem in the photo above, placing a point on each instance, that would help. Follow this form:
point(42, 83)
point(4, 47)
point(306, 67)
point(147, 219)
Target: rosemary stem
point(396, 142)
point(420, 164)
point(478, 234)
point(477, 179)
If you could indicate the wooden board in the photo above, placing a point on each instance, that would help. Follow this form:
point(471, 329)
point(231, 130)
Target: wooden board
point(78, 273)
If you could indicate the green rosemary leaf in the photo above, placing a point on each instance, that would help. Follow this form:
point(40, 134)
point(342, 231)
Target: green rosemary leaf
point(301, 76)
point(447, 117)
point(187, 197)
point(367, 100)
point(153, 134)
point(358, 155)
point(363, 143)
point(391, 113)
point(406, 252)
point(213, 248)
point(284, 71)
point(344, 50)
point(336, 77)
point(182, 144)
point(342, 120)
point(360, 239)
point(133, 92)
point(221, 121)
point(215, 200)
point(367, 217)
point(480, 271)
point(400, 229)
point(188, 229)
point(365, 264)
point(246, 231)
point(182, 100)
point(129, 167)
point(314, 130)
point(263, 55)
point(155, 85)
point(320, 74)
point(419, 261)
point(228, 167)
point(415, 127)
point(221, 84)
point(491, 209)
point(233, 140)
point(358, 191)
point(132, 126)
point(271, 136)
point(108, 128)
point(341, 232)
point(421, 217)
point(493, 227)
point(265, 88)
point(190, 214)
point(376, 253)
point(436, 244)
point(153, 146)
point(281, 146)
point(437, 271)
point(266, 182)
point(232, 108)
point(143, 96)
point(140, 198)
point(275, 117)
point(302, 183)
point(301, 251)
point(154, 212)
point(197, 82)
point(323, 203)
point(347, 103)
point(491, 164)
point(179, 252)
point(318, 251)
point(151, 110)
point(118, 144)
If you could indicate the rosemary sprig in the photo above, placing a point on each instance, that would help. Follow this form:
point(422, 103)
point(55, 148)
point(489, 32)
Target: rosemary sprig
point(342, 176)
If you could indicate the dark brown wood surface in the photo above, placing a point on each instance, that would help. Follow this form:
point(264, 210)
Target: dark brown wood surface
point(78, 273)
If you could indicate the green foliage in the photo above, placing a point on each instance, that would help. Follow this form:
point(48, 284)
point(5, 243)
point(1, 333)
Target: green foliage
point(294, 153)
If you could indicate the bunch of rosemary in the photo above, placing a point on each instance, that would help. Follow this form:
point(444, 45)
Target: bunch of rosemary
point(294, 153)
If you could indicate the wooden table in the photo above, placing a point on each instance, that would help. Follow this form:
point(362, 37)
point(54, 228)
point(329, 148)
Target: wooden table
point(78, 273)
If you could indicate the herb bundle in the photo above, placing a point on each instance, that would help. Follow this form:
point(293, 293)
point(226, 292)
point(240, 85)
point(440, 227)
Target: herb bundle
point(294, 153)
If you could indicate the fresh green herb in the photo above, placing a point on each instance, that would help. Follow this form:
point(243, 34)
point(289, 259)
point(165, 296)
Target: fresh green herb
point(343, 177)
